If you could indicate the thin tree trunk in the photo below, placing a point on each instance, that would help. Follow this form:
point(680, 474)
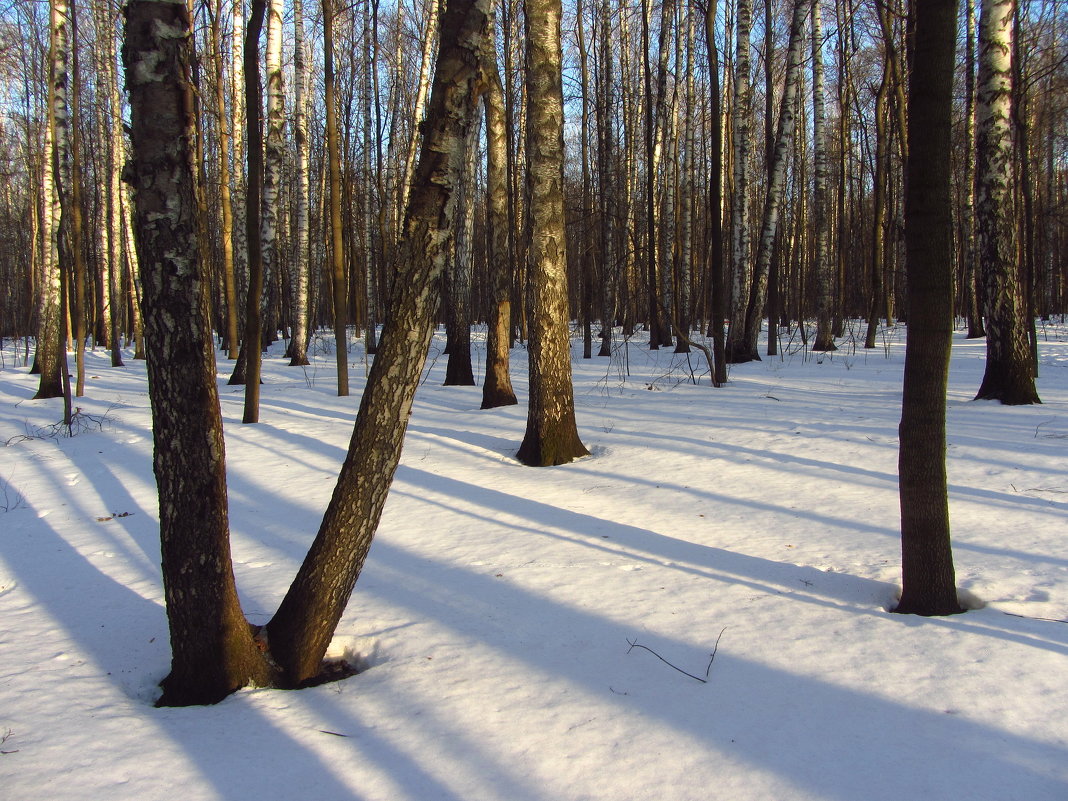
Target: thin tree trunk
point(337, 250)
point(497, 388)
point(298, 346)
point(824, 340)
point(740, 138)
point(746, 350)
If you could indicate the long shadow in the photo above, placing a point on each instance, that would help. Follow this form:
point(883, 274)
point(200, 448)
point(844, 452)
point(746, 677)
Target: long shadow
point(839, 591)
point(808, 718)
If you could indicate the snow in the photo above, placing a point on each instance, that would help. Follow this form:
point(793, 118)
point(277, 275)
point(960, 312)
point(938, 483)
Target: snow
point(496, 613)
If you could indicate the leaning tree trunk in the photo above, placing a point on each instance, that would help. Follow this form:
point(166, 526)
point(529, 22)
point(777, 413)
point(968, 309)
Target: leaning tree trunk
point(551, 436)
point(1008, 377)
point(301, 630)
point(213, 652)
point(928, 581)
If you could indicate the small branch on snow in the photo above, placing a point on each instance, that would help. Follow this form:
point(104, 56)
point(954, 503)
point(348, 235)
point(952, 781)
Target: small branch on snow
point(715, 648)
point(636, 644)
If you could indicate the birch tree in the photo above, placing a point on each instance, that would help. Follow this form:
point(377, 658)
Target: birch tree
point(214, 649)
point(1009, 374)
point(551, 435)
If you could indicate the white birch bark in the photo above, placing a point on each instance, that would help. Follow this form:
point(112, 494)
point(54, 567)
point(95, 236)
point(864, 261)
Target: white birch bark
point(747, 349)
point(299, 274)
point(430, 36)
point(274, 144)
point(1008, 375)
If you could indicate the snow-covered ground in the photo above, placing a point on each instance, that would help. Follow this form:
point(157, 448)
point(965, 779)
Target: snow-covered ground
point(498, 609)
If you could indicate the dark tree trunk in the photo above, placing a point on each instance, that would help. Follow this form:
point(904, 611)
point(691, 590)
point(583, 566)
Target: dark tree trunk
point(928, 582)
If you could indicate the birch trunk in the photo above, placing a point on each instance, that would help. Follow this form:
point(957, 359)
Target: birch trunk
point(301, 630)
point(551, 436)
point(1008, 377)
point(213, 652)
point(746, 350)
point(298, 346)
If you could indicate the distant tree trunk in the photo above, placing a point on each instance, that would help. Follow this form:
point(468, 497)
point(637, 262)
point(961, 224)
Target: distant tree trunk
point(337, 250)
point(497, 388)
point(74, 206)
point(928, 580)
point(879, 198)
point(50, 357)
point(247, 370)
point(970, 266)
point(740, 139)
point(457, 277)
point(715, 201)
point(824, 340)
point(298, 346)
point(746, 349)
point(1008, 377)
point(551, 436)
point(656, 335)
point(213, 652)
point(606, 168)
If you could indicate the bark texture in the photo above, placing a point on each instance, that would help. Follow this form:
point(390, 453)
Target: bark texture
point(928, 581)
point(301, 630)
point(213, 652)
point(551, 436)
point(1009, 372)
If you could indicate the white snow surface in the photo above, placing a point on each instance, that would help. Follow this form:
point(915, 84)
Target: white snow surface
point(495, 616)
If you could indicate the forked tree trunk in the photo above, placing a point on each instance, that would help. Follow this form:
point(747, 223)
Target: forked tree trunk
point(214, 651)
point(551, 436)
point(1008, 377)
point(928, 581)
